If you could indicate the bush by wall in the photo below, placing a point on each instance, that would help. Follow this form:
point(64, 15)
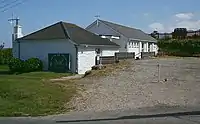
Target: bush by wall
point(187, 47)
point(30, 65)
point(5, 56)
point(33, 64)
point(16, 65)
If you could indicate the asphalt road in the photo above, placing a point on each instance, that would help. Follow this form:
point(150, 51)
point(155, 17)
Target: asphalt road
point(179, 115)
point(165, 120)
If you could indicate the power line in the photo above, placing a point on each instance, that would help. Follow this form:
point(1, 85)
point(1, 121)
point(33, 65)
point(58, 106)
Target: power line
point(15, 5)
point(8, 4)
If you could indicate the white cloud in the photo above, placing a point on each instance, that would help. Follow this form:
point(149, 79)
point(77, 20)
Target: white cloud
point(184, 16)
point(189, 24)
point(182, 20)
point(157, 26)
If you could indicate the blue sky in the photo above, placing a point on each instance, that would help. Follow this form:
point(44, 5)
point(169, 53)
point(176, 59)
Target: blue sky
point(147, 15)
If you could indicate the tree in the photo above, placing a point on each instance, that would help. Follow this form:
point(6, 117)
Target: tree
point(155, 34)
point(179, 33)
point(2, 46)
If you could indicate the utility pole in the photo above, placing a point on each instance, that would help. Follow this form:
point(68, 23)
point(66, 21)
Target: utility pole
point(12, 20)
point(158, 71)
point(16, 20)
point(16, 28)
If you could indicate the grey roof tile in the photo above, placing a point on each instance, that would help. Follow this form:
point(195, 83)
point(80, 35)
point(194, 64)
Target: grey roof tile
point(129, 32)
point(63, 30)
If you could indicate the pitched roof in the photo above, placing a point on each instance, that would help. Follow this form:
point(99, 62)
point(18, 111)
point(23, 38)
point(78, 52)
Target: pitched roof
point(63, 30)
point(128, 31)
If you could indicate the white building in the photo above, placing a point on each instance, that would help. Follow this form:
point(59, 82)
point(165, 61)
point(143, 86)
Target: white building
point(64, 47)
point(129, 39)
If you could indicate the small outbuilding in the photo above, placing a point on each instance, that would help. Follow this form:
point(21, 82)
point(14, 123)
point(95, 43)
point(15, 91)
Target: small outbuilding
point(64, 47)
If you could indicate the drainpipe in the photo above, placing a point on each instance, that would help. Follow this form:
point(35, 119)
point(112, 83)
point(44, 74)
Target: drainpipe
point(18, 43)
point(76, 71)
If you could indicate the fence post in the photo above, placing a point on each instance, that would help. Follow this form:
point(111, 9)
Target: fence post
point(158, 72)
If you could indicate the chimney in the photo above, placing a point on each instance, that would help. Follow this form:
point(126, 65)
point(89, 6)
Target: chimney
point(17, 30)
point(17, 33)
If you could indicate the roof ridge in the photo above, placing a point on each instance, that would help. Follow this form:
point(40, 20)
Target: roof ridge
point(40, 29)
point(111, 27)
point(127, 31)
point(119, 24)
point(64, 30)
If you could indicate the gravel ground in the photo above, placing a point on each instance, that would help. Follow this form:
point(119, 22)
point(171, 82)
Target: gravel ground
point(138, 86)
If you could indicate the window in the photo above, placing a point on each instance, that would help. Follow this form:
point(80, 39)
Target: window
point(130, 45)
point(136, 44)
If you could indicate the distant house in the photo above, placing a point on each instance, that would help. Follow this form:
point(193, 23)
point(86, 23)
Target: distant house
point(165, 35)
point(64, 47)
point(129, 39)
point(191, 33)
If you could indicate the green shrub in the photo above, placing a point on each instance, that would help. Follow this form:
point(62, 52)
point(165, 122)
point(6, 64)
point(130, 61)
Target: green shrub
point(187, 47)
point(16, 65)
point(5, 56)
point(33, 64)
point(20, 66)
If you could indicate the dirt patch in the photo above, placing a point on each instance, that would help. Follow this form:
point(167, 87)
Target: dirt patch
point(110, 69)
point(131, 86)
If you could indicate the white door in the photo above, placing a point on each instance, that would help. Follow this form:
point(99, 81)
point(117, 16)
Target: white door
point(86, 59)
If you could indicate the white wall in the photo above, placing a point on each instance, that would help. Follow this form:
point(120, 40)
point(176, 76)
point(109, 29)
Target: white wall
point(102, 29)
point(138, 49)
point(15, 49)
point(133, 46)
point(109, 51)
point(155, 48)
point(151, 47)
point(41, 49)
point(145, 46)
point(86, 59)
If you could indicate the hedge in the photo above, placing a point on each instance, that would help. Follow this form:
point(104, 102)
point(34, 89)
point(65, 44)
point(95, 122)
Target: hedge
point(185, 47)
point(5, 56)
point(33, 64)
point(16, 65)
point(20, 66)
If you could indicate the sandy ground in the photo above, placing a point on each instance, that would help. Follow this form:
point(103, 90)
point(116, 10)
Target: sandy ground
point(137, 86)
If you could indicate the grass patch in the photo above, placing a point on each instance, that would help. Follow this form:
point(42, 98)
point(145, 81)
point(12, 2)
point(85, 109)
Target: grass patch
point(4, 69)
point(32, 94)
point(110, 68)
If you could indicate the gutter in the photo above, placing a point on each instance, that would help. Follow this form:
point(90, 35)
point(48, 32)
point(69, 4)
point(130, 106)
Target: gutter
point(19, 53)
point(76, 66)
point(141, 40)
point(87, 45)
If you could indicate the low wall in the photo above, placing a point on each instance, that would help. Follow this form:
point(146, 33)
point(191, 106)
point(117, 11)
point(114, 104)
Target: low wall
point(147, 55)
point(107, 59)
point(113, 59)
point(124, 55)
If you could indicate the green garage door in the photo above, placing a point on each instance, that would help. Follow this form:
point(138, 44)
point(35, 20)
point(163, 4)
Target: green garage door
point(59, 63)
